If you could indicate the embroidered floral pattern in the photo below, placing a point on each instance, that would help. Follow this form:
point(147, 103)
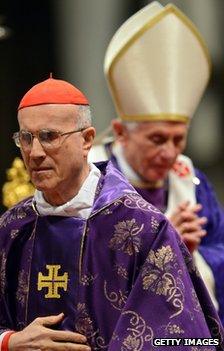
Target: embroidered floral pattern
point(174, 329)
point(2, 271)
point(106, 212)
point(126, 237)
point(14, 233)
point(136, 201)
point(161, 257)
point(154, 225)
point(157, 277)
point(8, 217)
point(117, 299)
point(121, 271)
point(131, 343)
point(84, 325)
point(87, 279)
point(138, 333)
point(196, 303)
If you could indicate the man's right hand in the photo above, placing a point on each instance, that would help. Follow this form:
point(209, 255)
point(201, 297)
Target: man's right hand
point(38, 336)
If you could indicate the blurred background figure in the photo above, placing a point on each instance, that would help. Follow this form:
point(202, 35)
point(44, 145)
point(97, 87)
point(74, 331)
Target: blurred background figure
point(158, 66)
point(37, 38)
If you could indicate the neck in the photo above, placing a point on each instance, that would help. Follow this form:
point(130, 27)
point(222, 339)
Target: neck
point(134, 178)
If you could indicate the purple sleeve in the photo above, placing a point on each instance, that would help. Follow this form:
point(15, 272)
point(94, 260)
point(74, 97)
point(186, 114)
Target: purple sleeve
point(212, 246)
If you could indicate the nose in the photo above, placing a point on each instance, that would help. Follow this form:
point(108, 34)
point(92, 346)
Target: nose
point(169, 151)
point(36, 149)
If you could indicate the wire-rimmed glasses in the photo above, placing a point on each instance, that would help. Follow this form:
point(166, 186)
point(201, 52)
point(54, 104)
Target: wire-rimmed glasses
point(48, 138)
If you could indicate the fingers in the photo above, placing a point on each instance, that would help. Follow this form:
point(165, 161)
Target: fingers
point(192, 240)
point(189, 225)
point(49, 320)
point(184, 216)
point(67, 336)
point(69, 347)
point(62, 336)
point(37, 337)
point(202, 221)
point(186, 206)
point(194, 237)
point(183, 206)
point(196, 208)
point(186, 213)
point(193, 226)
point(189, 216)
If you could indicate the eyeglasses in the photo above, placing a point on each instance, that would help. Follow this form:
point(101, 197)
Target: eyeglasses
point(48, 138)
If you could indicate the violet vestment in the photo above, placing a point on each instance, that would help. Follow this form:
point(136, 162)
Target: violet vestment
point(122, 277)
point(212, 245)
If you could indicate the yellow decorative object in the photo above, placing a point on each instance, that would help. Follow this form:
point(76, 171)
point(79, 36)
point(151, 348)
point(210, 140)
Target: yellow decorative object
point(18, 185)
point(53, 282)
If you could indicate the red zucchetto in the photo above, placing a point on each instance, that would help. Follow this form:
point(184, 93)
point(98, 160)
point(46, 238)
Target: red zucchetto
point(53, 91)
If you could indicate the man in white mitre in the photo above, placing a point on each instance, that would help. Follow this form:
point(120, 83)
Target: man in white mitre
point(157, 66)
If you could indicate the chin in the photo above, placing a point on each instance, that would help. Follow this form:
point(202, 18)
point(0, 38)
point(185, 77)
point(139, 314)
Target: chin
point(41, 186)
point(43, 183)
point(155, 177)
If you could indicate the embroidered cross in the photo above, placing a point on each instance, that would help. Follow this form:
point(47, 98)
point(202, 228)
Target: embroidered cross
point(53, 281)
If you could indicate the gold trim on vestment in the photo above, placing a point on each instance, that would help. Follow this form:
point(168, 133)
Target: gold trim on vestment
point(152, 22)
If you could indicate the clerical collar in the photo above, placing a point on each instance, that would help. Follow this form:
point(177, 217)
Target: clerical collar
point(79, 206)
point(128, 171)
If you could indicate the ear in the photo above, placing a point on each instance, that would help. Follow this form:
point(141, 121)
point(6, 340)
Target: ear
point(88, 136)
point(120, 130)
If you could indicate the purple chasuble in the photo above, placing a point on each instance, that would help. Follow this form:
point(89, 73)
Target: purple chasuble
point(157, 197)
point(212, 245)
point(54, 270)
point(123, 278)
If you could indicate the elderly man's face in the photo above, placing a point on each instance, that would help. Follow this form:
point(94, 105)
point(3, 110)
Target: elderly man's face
point(152, 148)
point(59, 170)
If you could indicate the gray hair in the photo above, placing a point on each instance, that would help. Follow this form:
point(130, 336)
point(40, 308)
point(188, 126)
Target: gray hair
point(84, 116)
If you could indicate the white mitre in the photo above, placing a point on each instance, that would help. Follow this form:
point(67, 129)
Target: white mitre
point(157, 66)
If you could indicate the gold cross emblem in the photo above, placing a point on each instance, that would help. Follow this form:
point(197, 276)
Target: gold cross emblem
point(53, 282)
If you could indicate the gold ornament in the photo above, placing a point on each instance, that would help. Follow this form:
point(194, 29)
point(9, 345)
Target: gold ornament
point(18, 185)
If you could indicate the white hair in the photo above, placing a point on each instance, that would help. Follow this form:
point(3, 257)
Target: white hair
point(84, 116)
point(132, 125)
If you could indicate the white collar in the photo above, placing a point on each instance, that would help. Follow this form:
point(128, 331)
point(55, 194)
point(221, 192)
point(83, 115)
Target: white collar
point(79, 206)
point(125, 168)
